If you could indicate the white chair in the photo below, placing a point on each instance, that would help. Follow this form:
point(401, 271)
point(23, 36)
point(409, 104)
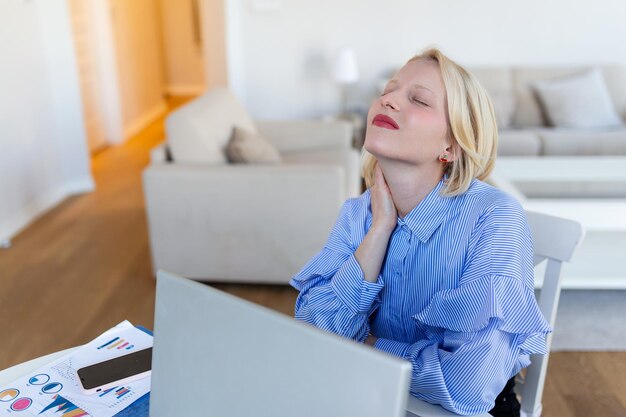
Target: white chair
point(555, 240)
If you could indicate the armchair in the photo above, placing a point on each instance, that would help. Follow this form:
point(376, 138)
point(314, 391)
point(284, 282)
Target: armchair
point(246, 222)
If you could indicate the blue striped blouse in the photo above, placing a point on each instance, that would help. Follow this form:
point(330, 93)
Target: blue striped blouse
point(454, 295)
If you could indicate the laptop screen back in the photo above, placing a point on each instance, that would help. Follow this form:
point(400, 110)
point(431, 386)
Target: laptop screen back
point(218, 355)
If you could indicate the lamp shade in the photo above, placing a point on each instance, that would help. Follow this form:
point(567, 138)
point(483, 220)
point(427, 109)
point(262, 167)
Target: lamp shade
point(345, 69)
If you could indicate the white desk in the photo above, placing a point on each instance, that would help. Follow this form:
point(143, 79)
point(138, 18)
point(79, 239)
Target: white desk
point(415, 407)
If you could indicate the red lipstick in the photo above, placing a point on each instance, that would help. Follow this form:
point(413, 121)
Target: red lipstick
point(386, 122)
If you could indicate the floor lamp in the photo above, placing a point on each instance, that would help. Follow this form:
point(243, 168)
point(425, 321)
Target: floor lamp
point(345, 72)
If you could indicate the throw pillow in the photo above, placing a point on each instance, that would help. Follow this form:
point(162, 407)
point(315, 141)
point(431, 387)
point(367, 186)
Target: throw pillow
point(251, 148)
point(199, 131)
point(578, 101)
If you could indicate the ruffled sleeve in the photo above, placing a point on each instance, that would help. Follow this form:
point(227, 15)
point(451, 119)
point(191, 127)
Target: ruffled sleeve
point(505, 300)
point(477, 336)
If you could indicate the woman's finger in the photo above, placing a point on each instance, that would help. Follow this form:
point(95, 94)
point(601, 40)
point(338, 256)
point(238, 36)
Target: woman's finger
point(379, 177)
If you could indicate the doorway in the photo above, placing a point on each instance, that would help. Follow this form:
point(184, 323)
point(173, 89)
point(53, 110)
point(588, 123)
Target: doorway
point(85, 37)
point(132, 55)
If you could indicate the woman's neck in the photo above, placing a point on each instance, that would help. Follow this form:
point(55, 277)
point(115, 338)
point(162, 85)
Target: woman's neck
point(409, 185)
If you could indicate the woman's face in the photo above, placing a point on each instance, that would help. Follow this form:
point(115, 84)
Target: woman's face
point(409, 122)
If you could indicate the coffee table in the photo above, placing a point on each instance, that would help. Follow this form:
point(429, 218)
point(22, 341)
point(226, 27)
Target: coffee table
point(591, 190)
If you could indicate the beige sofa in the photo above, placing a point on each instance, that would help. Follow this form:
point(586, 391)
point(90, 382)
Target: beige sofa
point(524, 125)
point(213, 220)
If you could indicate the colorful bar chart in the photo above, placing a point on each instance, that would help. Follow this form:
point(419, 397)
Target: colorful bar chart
point(106, 392)
point(121, 392)
point(117, 343)
point(108, 343)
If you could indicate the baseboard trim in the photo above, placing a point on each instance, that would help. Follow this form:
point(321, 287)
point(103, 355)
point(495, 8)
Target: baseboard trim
point(80, 186)
point(28, 214)
point(185, 89)
point(145, 119)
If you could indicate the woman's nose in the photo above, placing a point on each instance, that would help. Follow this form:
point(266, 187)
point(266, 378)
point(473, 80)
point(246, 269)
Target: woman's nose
point(388, 102)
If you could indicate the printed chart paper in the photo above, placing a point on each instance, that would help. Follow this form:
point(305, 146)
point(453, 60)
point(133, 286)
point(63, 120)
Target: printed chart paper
point(54, 391)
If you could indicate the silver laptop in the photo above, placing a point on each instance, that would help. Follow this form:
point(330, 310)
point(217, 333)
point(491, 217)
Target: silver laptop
point(218, 355)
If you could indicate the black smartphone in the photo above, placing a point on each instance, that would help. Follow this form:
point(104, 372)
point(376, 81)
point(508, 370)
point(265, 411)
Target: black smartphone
point(117, 371)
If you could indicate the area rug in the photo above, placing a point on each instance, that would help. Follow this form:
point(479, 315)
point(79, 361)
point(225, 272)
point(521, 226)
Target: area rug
point(591, 320)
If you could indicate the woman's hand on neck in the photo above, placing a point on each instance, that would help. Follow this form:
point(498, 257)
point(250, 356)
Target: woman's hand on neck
point(410, 184)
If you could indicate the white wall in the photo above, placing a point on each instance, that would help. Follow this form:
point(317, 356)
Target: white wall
point(182, 43)
point(43, 156)
point(136, 30)
point(212, 17)
point(278, 56)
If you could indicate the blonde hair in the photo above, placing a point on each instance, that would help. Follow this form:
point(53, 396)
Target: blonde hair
point(472, 126)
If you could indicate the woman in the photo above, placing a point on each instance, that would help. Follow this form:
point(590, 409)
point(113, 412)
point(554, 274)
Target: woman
point(431, 264)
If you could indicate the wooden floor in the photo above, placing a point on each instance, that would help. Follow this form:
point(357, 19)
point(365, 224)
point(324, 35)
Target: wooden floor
point(85, 266)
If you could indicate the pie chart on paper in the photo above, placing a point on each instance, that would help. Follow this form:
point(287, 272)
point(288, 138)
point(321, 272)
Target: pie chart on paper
point(52, 388)
point(21, 404)
point(8, 394)
point(39, 379)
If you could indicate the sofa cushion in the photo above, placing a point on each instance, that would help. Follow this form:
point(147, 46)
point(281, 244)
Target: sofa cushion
point(568, 142)
point(251, 148)
point(303, 135)
point(494, 79)
point(518, 143)
point(199, 131)
point(528, 112)
point(347, 158)
point(578, 101)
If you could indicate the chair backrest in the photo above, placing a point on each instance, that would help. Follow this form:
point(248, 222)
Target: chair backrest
point(198, 131)
point(555, 240)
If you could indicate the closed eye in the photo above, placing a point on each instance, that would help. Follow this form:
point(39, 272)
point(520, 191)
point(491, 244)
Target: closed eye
point(415, 100)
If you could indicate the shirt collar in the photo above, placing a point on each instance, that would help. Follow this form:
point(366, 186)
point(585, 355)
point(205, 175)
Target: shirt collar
point(426, 217)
